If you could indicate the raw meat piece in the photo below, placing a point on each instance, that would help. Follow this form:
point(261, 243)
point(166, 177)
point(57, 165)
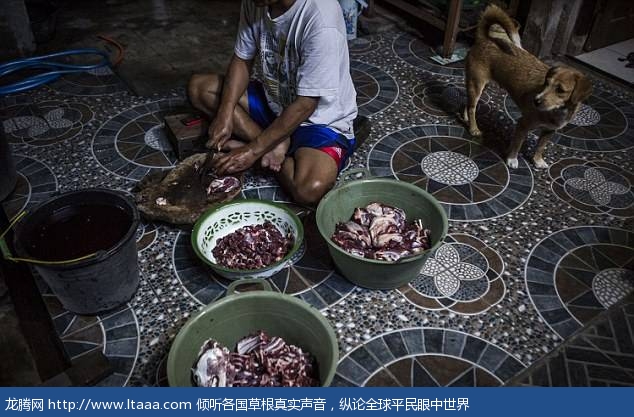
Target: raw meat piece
point(213, 367)
point(223, 185)
point(379, 231)
point(390, 255)
point(260, 360)
point(362, 217)
point(382, 225)
point(252, 247)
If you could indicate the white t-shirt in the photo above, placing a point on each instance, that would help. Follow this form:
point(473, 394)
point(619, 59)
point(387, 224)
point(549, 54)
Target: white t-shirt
point(303, 52)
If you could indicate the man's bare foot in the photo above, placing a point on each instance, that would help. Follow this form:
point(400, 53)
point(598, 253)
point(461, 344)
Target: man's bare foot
point(274, 158)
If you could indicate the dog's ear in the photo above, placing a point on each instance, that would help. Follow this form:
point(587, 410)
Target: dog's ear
point(551, 72)
point(582, 90)
point(517, 24)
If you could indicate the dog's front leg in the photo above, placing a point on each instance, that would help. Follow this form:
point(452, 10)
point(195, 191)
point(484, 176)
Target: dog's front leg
point(538, 158)
point(521, 131)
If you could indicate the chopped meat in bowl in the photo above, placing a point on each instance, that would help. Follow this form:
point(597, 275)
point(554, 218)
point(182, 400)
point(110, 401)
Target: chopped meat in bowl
point(381, 232)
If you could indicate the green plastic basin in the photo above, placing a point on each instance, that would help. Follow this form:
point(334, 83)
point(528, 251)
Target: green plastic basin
point(338, 206)
point(238, 315)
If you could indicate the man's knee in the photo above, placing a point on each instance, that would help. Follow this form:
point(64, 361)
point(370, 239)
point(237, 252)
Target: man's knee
point(311, 192)
point(193, 87)
point(200, 84)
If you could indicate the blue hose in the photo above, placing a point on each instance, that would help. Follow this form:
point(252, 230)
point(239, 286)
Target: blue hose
point(55, 69)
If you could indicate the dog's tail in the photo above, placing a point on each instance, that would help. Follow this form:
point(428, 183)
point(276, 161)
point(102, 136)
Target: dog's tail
point(493, 15)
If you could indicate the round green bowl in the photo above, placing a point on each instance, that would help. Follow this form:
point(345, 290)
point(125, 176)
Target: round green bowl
point(338, 206)
point(226, 218)
point(238, 315)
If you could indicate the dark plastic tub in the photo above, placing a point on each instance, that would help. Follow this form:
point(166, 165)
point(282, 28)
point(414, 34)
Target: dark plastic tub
point(8, 175)
point(77, 224)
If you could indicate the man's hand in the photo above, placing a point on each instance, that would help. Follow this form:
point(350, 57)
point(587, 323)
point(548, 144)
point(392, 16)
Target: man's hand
point(237, 160)
point(219, 132)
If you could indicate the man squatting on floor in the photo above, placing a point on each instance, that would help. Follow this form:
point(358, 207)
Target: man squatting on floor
point(298, 120)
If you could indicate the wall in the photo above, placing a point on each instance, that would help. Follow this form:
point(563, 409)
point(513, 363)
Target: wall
point(16, 37)
point(549, 26)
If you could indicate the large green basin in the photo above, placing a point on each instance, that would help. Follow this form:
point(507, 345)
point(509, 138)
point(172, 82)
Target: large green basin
point(338, 206)
point(238, 315)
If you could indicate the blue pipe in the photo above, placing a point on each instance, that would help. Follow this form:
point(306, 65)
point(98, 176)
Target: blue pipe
point(55, 69)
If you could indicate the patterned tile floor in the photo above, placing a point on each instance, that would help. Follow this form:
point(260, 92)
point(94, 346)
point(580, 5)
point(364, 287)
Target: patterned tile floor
point(600, 355)
point(532, 256)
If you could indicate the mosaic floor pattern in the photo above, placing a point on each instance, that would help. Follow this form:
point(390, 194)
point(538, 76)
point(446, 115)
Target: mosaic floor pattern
point(471, 181)
point(600, 356)
point(463, 276)
point(97, 82)
point(134, 142)
point(443, 99)
point(376, 90)
point(594, 186)
point(576, 273)
point(46, 122)
point(35, 184)
point(116, 334)
point(531, 258)
point(426, 357)
point(416, 53)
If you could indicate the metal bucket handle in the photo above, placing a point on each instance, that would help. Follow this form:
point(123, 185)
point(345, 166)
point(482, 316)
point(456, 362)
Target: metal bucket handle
point(5, 252)
point(231, 289)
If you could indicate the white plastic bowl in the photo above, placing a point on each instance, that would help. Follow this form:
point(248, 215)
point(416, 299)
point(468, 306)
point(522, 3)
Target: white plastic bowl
point(226, 218)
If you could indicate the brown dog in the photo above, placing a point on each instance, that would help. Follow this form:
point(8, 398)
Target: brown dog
point(547, 97)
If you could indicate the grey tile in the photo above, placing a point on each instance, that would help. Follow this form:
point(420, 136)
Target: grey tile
point(395, 343)
point(351, 371)
point(380, 350)
point(607, 60)
point(123, 347)
point(540, 377)
point(365, 359)
point(623, 48)
point(491, 358)
point(612, 374)
point(509, 368)
point(433, 340)
point(587, 356)
point(473, 349)
point(558, 371)
point(621, 331)
point(414, 341)
point(577, 375)
point(453, 343)
point(421, 377)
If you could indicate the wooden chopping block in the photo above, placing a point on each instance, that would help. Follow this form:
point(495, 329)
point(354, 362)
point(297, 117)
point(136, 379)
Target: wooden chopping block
point(179, 195)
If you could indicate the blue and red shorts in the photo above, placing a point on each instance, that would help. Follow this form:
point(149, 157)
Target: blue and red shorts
point(309, 136)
